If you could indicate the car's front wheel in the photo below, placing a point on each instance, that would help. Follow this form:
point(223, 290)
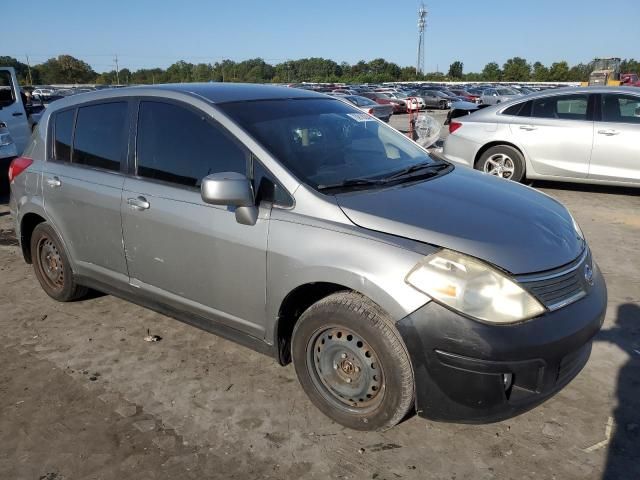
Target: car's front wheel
point(352, 363)
point(502, 161)
point(51, 265)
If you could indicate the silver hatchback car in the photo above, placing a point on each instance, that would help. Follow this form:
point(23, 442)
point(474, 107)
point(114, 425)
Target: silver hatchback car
point(299, 226)
point(586, 135)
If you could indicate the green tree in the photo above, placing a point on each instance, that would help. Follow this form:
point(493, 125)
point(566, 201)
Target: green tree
point(516, 69)
point(540, 73)
point(630, 66)
point(579, 73)
point(65, 69)
point(559, 72)
point(456, 70)
point(491, 72)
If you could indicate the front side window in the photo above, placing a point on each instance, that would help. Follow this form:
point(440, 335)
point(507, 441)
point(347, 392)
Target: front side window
point(100, 135)
point(567, 107)
point(63, 128)
point(180, 146)
point(327, 142)
point(620, 108)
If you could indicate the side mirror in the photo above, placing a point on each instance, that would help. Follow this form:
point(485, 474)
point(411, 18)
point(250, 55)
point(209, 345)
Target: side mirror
point(233, 190)
point(495, 94)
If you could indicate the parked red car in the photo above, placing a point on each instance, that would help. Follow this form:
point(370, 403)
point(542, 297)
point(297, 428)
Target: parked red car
point(629, 79)
point(399, 106)
point(469, 97)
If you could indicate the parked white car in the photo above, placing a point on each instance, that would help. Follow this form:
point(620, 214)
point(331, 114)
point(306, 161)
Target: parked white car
point(586, 135)
point(42, 92)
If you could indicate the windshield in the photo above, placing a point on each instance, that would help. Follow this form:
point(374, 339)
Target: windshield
point(326, 141)
point(506, 91)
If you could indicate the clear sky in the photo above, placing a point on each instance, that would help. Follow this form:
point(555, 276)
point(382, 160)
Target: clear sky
point(148, 33)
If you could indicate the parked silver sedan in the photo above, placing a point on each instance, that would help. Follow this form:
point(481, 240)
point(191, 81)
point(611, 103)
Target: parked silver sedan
point(586, 135)
point(493, 96)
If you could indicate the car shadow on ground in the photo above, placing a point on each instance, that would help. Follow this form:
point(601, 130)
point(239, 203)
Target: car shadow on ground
point(623, 458)
point(585, 187)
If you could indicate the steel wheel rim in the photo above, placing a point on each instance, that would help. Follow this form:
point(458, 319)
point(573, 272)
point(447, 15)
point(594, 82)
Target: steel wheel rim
point(345, 370)
point(50, 263)
point(500, 165)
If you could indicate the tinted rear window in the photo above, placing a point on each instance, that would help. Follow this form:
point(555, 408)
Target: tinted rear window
point(100, 135)
point(63, 130)
point(519, 109)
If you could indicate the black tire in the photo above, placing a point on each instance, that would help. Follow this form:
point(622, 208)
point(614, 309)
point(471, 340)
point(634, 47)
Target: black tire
point(514, 164)
point(367, 381)
point(442, 105)
point(51, 265)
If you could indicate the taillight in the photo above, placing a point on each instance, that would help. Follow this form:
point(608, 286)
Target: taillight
point(18, 165)
point(453, 126)
point(370, 111)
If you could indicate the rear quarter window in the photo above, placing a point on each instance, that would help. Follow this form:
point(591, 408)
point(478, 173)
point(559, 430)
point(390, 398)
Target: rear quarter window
point(99, 139)
point(62, 131)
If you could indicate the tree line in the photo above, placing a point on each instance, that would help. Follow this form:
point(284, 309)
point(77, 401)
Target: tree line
point(66, 69)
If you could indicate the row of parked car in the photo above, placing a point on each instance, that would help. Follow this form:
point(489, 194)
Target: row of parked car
point(386, 99)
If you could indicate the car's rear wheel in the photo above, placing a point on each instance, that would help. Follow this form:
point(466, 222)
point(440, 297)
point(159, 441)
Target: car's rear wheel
point(51, 265)
point(352, 363)
point(442, 105)
point(502, 161)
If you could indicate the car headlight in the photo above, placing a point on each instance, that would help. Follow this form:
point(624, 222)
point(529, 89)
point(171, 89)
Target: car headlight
point(473, 288)
point(577, 228)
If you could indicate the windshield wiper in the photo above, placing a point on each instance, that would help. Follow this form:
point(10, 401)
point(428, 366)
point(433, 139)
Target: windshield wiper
point(430, 167)
point(352, 182)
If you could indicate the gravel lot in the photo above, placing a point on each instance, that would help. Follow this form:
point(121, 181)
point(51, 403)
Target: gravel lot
point(82, 395)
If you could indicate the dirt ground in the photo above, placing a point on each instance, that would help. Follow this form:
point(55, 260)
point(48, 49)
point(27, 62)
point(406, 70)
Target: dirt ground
point(83, 396)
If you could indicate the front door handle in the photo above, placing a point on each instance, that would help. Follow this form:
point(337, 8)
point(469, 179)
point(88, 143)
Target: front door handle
point(17, 114)
point(527, 127)
point(139, 203)
point(54, 182)
point(608, 132)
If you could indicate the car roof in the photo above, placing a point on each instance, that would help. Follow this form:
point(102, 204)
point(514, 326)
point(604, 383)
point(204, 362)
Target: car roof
point(212, 92)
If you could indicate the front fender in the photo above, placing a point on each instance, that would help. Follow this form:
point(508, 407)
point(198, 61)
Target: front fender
point(301, 254)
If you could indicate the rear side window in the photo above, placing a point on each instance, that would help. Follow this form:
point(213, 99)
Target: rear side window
point(620, 108)
point(180, 146)
point(567, 107)
point(99, 139)
point(63, 128)
point(519, 109)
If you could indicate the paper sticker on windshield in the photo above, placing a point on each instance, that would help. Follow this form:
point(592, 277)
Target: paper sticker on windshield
point(360, 117)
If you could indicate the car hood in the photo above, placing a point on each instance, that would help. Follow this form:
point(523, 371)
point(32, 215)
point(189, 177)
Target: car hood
point(509, 225)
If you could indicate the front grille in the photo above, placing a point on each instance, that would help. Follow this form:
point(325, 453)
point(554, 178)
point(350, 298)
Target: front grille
point(561, 286)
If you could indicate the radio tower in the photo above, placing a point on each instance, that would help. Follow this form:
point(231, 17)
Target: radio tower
point(422, 20)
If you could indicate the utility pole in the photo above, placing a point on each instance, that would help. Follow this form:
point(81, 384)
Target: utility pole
point(422, 21)
point(117, 69)
point(29, 70)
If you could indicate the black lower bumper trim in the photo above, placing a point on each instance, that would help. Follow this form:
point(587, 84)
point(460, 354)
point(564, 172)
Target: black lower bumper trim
point(471, 372)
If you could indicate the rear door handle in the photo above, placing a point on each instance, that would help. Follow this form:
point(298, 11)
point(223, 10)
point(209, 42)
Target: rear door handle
point(54, 182)
point(527, 127)
point(608, 132)
point(17, 114)
point(139, 203)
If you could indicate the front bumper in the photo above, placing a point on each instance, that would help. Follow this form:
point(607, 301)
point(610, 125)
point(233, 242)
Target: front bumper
point(460, 364)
